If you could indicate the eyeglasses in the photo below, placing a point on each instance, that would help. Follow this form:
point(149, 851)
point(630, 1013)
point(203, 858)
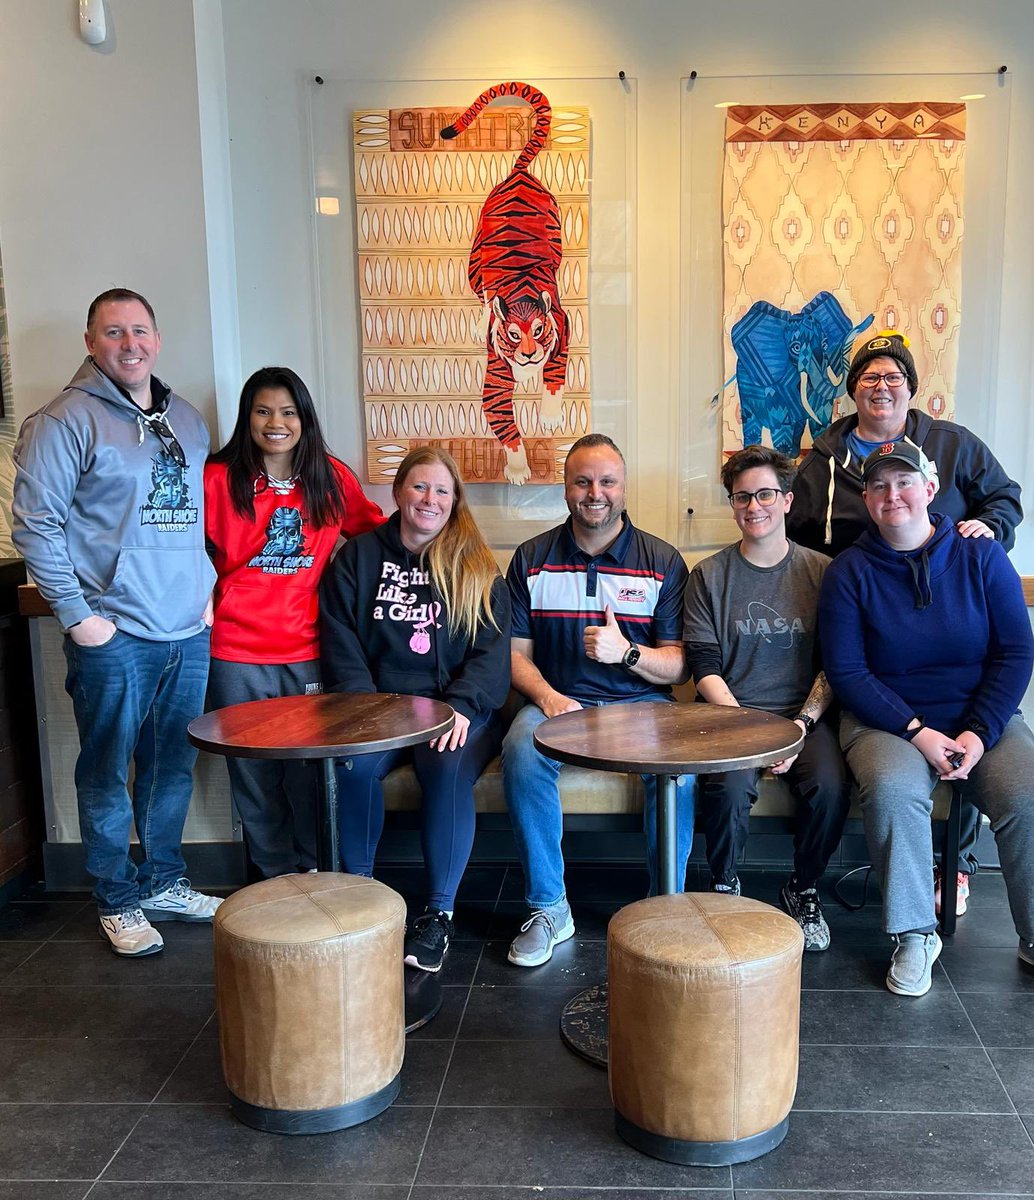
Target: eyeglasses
point(765, 496)
point(169, 443)
point(892, 379)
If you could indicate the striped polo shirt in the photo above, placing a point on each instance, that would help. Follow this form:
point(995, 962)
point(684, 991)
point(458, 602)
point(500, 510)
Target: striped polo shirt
point(557, 590)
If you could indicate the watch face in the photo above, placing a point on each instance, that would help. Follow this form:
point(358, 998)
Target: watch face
point(632, 656)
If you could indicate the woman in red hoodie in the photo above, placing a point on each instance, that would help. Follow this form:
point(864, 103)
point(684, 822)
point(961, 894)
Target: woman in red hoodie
point(275, 504)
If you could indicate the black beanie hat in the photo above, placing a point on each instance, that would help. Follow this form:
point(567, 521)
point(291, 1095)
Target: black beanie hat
point(887, 344)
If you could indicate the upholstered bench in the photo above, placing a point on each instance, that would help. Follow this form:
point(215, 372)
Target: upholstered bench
point(619, 798)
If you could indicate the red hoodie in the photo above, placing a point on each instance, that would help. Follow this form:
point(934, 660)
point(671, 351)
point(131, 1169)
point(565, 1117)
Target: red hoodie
point(266, 606)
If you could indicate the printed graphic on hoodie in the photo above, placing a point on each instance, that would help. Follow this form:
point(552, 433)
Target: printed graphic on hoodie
point(284, 551)
point(168, 503)
point(403, 606)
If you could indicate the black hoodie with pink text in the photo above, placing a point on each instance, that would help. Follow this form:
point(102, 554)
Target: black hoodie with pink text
point(384, 628)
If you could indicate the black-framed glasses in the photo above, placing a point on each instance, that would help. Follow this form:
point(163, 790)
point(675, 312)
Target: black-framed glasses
point(764, 496)
point(169, 443)
point(871, 379)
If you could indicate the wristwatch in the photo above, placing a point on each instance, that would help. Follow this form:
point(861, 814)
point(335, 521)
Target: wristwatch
point(806, 721)
point(632, 655)
point(909, 734)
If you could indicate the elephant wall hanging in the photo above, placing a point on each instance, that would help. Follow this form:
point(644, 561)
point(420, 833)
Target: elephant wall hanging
point(791, 368)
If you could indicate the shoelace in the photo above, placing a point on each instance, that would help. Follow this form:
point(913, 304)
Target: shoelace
point(546, 917)
point(810, 908)
point(132, 919)
point(434, 927)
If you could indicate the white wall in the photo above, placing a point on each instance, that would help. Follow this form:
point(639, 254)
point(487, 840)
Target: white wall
point(109, 166)
point(270, 62)
point(101, 186)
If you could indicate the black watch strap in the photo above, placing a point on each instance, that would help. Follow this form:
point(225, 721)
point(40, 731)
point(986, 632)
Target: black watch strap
point(806, 721)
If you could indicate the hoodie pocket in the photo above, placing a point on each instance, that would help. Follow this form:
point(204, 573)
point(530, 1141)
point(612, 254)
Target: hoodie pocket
point(161, 588)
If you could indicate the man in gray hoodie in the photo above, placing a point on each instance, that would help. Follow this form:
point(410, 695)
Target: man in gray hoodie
point(107, 513)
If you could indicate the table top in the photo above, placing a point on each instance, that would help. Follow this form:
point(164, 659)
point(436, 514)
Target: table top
point(326, 726)
point(668, 739)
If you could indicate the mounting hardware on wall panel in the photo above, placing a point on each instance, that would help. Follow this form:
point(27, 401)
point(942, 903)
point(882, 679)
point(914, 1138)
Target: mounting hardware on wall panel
point(1002, 69)
point(93, 28)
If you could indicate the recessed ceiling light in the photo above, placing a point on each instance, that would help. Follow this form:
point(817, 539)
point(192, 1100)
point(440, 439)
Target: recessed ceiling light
point(974, 96)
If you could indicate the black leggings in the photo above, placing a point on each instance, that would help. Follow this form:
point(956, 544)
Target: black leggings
point(447, 781)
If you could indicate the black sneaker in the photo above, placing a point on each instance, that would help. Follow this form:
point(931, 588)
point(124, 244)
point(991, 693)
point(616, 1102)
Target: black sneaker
point(803, 905)
point(428, 940)
point(728, 885)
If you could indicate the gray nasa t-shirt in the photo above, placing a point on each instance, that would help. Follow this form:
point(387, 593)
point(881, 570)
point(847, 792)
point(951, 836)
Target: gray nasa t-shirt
point(763, 621)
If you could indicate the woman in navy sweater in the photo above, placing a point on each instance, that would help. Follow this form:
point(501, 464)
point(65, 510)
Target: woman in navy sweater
point(926, 642)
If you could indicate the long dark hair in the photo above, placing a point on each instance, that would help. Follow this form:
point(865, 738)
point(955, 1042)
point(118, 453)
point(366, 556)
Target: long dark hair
point(312, 464)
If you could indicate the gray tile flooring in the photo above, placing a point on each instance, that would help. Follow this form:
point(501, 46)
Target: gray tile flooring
point(110, 1086)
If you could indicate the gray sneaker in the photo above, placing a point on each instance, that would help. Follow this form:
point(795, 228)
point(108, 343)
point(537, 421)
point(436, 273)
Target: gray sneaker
point(540, 933)
point(912, 963)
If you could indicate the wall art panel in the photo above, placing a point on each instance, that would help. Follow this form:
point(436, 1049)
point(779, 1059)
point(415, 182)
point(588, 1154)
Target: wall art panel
point(836, 217)
point(472, 230)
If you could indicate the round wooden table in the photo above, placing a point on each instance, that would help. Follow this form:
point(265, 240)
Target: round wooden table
point(325, 728)
point(664, 740)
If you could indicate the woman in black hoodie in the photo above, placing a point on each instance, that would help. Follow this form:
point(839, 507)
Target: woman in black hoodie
point(418, 606)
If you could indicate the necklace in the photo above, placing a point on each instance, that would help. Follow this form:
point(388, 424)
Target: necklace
point(279, 487)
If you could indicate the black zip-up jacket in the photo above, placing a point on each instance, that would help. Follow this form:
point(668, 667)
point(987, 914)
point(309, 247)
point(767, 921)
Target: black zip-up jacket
point(383, 628)
point(828, 513)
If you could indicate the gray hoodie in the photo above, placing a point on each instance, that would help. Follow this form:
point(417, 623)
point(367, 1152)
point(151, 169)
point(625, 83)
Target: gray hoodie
point(108, 522)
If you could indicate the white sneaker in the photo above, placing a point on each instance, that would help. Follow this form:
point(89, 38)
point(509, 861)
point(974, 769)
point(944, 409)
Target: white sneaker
point(180, 903)
point(131, 934)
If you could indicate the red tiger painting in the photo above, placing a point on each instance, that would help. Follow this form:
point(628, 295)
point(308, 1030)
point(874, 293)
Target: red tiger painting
point(513, 272)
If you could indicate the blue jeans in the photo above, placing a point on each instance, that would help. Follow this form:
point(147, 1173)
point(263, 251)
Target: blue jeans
point(133, 700)
point(533, 798)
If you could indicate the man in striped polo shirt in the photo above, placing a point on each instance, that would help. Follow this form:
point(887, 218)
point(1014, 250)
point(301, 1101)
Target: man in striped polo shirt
point(597, 619)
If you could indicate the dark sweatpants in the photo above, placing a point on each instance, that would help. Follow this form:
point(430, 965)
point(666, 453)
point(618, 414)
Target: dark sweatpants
point(818, 780)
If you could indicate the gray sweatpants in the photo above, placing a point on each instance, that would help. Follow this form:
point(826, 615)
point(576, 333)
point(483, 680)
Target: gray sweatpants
point(895, 783)
point(276, 799)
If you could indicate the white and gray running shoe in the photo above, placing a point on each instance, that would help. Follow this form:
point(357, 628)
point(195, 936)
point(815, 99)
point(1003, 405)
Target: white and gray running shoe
point(544, 929)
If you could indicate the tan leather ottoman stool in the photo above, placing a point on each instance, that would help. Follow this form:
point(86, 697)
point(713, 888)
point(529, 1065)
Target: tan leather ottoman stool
point(309, 991)
point(705, 998)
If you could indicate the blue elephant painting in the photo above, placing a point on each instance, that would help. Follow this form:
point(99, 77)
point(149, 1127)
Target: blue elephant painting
point(791, 368)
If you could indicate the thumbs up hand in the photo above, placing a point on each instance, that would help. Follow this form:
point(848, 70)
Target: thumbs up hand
point(606, 643)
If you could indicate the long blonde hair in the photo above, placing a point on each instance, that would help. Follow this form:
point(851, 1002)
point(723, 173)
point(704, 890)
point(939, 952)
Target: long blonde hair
point(462, 567)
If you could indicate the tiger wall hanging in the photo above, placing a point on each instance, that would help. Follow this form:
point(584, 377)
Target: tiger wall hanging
point(473, 268)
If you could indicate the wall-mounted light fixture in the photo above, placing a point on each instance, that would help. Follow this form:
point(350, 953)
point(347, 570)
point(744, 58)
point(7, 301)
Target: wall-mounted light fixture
point(93, 28)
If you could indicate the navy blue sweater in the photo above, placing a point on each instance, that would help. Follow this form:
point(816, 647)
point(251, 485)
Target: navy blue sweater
point(940, 632)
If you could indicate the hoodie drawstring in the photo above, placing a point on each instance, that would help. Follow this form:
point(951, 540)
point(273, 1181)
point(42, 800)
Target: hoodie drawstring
point(148, 421)
point(829, 495)
point(924, 592)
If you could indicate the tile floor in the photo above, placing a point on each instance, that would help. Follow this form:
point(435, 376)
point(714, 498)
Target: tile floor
point(110, 1085)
